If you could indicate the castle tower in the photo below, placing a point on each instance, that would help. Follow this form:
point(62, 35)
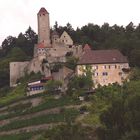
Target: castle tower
point(43, 27)
point(55, 37)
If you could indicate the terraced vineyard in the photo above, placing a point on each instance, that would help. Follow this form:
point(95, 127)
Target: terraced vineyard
point(30, 116)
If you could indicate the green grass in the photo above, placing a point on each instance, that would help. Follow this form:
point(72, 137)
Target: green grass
point(92, 119)
point(67, 115)
point(16, 137)
point(48, 104)
point(52, 103)
point(21, 136)
point(14, 95)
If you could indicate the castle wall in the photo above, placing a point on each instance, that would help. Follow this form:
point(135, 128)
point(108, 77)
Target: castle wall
point(36, 66)
point(17, 70)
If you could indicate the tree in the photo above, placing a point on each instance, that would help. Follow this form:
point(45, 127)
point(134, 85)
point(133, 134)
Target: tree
point(16, 54)
point(120, 120)
point(135, 74)
point(71, 62)
point(31, 36)
point(55, 27)
point(7, 44)
point(53, 86)
point(79, 84)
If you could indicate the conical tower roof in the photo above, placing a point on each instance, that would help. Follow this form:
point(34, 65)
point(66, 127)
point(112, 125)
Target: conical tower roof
point(43, 11)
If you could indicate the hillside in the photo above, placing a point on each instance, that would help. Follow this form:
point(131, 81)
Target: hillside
point(47, 116)
point(110, 113)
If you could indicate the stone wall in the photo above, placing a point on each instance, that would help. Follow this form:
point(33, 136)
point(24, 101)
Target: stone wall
point(17, 70)
point(36, 66)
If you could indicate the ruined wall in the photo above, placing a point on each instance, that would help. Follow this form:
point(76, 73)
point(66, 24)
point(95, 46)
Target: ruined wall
point(63, 75)
point(58, 53)
point(36, 66)
point(17, 70)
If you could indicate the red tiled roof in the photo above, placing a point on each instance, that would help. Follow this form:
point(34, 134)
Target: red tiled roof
point(43, 11)
point(47, 78)
point(40, 45)
point(102, 57)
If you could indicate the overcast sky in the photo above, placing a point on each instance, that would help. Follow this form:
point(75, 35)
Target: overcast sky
point(17, 15)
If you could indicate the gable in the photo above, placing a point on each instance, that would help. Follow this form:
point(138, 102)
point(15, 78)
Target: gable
point(66, 39)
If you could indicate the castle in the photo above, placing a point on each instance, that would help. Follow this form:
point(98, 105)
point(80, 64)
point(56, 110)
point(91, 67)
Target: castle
point(107, 66)
point(51, 48)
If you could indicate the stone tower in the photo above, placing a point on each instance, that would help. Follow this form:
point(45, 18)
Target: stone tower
point(43, 27)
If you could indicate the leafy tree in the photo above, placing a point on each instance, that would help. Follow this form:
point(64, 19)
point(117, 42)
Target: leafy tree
point(135, 74)
point(71, 62)
point(53, 86)
point(16, 54)
point(120, 121)
point(30, 35)
point(79, 84)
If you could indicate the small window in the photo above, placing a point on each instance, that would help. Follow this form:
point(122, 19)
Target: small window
point(104, 67)
point(109, 66)
point(96, 74)
point(120, 73)
point(115, 66)
point(96, 67)
point(105, 73)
